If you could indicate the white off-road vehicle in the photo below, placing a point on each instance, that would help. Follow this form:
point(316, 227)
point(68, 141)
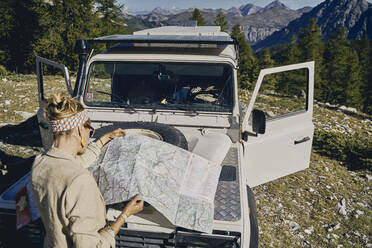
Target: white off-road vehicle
point(179, 84)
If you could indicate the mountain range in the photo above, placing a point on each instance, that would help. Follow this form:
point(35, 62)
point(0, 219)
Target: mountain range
point(256, 22)
point(355, 16)
point(273, 24)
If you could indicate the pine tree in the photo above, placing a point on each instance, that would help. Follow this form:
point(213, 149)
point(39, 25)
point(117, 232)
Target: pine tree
point(7, 21)
point(196, 16)
point(353, 94)
point(109, 14)
point(50, 29)
point(335, 61)
point(236, 32)
point(19, 28)
point(364, 50)
point(367, 105)
point(291, 83)
point(221, 21)
point(312, 48)
point(248, 70)
point(293, 54)
point(266, 61)
point(342, 71)
point(62, 23)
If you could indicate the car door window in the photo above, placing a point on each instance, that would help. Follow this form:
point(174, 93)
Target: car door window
point(283, 93)
point(52, 77)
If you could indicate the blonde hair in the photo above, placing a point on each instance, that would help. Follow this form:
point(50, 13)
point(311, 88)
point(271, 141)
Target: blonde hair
point(61, 106)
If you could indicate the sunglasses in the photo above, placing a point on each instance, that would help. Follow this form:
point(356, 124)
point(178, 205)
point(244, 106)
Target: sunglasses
point(87, 125)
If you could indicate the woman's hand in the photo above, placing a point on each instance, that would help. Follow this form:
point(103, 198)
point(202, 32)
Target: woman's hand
point(133, 207)
point(110, 136)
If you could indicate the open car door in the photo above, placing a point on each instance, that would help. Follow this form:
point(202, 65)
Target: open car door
point(44, 92)
point(278, 129)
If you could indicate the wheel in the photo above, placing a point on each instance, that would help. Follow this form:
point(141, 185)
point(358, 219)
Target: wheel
point(3, 244)
point(155, 130)
point(253, 242)
point(10, 239)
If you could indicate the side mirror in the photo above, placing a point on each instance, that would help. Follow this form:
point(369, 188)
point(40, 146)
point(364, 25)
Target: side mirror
point(258, 121)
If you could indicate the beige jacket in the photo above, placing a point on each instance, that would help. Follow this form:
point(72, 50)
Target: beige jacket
point(68, 199)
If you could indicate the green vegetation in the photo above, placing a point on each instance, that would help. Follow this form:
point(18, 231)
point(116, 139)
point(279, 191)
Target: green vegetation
point(3, 71)
point(299, 210)
point(50, 28)
point(355, 150)
point(342, 71)
point(248, 67)
point(343, 68)
point(341, 161)
point(307, 198)
point(221, 21)
point(196, 16)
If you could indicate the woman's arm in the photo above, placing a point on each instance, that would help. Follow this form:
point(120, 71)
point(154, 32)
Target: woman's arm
point(133, 207)
point(94, 149)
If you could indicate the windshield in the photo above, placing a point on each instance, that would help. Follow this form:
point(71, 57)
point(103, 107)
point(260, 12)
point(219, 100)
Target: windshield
point(154, 85)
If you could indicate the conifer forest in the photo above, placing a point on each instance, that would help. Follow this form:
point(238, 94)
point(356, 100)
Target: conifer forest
point(50, 28)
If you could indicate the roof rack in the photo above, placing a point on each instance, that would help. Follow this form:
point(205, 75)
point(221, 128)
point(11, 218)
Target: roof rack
point(177, 39)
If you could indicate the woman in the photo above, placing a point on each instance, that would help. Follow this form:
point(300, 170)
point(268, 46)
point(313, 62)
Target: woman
point(67, 197)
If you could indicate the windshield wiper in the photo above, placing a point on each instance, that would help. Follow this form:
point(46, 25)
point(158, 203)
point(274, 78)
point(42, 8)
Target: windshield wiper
point(184, 108)
point(122, 103)
point(170, 106)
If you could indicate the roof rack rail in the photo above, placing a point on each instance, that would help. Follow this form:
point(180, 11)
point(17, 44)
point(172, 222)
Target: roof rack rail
point(180, 39)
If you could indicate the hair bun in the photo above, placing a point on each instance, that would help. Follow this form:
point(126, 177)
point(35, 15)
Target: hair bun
point(61, 106)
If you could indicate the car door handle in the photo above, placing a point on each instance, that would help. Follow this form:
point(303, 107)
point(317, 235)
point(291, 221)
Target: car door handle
point(44, 125)
point(302, 140)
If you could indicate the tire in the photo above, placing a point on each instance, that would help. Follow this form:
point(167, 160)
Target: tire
point(4, 242)
point(10, 239)
point(253, 242)
point(168, 133)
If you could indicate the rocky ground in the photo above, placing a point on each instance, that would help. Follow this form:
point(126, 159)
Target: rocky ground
point(327, 205)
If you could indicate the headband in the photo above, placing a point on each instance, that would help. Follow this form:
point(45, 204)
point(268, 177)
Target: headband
point(69, 122)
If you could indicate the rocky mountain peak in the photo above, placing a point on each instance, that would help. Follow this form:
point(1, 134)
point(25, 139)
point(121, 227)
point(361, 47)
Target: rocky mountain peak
point(249, 9)
point(330, 15)
point(256, 26)
point(163, 11)
point(274, 4)
point(304, 9)
point(233, 12)
point(339, 13)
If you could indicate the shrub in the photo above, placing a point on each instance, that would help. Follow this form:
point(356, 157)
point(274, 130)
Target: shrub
point(3, 71)
point(355, 150)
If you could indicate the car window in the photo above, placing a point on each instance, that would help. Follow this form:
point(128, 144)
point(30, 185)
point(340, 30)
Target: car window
point(53, 81)
point(283, 93)
point(185, 86)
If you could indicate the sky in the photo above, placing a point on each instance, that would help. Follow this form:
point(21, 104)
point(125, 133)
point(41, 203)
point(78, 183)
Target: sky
point(145, 5)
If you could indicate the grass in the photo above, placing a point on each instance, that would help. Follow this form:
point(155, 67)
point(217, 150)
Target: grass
point(19, 101)
point(308, 198)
